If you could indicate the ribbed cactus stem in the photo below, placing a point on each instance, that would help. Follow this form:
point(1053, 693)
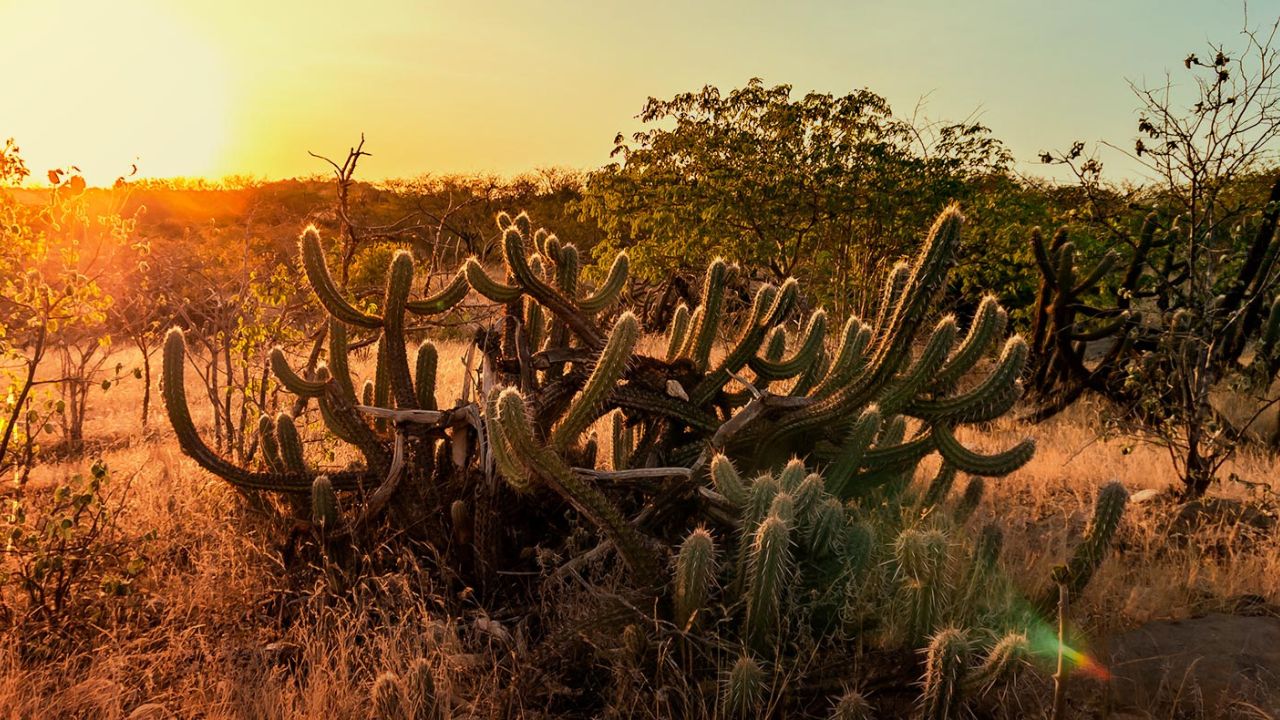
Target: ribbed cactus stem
point(514, 423)
point(745, 688)
point(425, 364)
point(611, 289)
point(969, 500)
point(852, 706)
point(317, 270)
point(945, 668)
point(939, 487)
point(770, 573)
point(489, 288)
point(338, 366)
point(396, 355)
point(704, 333)
point(921, 557)
point(608, 369)
point(291, 381)
point(448, 298)
point(324, 504)
point(679, 330)
point(975, 463)
point(388, 699)
point(622, 440)
point(793, 473)
point(986, 329)
point(421, 685)
point(174, 393)
point(841, 474)
point(694, 574)
point(270, 448)
point(1001, 664)
point(1108, 510)
point(290, 443)
point(727, 481)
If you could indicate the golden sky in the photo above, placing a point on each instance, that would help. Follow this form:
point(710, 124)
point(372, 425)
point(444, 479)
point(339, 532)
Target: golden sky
point(218, 87)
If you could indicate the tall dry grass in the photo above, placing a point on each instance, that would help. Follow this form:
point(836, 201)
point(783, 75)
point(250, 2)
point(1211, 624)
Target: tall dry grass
point(222, 629)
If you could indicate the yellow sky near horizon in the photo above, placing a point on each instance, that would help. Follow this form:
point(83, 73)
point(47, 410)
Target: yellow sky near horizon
point(218, 87)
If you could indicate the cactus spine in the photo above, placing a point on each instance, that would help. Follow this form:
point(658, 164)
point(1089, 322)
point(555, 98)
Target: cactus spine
point(695, 573)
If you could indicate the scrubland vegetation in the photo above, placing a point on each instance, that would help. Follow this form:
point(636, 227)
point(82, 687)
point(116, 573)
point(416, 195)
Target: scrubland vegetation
point(798, 409)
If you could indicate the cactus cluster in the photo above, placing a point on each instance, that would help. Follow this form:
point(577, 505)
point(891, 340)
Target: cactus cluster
point(561, 357)
point(775, 541)
point(890, 568)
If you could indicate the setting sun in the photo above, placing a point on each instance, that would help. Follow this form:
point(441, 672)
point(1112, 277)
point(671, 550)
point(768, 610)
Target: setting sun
point(105, 86)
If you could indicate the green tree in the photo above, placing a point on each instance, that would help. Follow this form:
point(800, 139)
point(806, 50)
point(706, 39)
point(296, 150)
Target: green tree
point(828, 189)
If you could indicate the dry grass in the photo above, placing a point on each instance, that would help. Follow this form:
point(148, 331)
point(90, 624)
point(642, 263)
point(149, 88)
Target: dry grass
point(220, 631)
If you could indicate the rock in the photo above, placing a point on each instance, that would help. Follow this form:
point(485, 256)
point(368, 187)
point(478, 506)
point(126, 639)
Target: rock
point(1216, 666)
point(1209, 512)
point(1144, 496)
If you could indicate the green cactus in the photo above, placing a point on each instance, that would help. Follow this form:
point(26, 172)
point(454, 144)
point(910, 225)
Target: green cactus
point(945, 671)
point(852, 706)
point(609, 367)
point(424, 376)
point(694, 574)
point(513, 423)
point(421, 685)
point(290, 444)
point(622, 440)
point(680, 321)
point(725, 479)
point(771, 567)
point(270, 448)
point(1089, 554)
point(324, 504)
point(969, 500)
point(745, 687)
point(1001, 663)
point(388, 699)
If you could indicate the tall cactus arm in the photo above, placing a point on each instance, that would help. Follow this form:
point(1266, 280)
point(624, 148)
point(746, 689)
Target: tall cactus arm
point(489, 288)
point(975, 463)
point(854, 339)
point(546, 464)
point(445, 300)
point(902, 390)
point(815, 334)
point(703, 334)
point(989, 399)
point(290, 444)
point(679, 329)
point(338, 351)
point(894, 340)
point(840, 474)
point(291, 380)
point(175, 400)
point(612, 362)
point(270, 448)
point(769, 309)
point(986, 329)
point(611, 289)
point(326, 290)
point(396, 356)
point(424, 377)
point(551, 298)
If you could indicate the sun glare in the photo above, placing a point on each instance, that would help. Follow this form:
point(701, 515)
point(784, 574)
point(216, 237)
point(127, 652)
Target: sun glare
point(107, 86)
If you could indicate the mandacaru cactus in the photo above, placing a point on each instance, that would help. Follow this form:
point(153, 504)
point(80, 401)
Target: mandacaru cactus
point(1093, 549)
point(561, 354)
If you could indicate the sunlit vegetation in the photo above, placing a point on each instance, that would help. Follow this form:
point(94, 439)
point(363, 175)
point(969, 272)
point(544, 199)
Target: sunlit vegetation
point(798, 408)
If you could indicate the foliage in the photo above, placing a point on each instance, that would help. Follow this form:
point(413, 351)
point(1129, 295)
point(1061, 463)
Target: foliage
point(828, 189)
point(65, 562)
point(1189, 287)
